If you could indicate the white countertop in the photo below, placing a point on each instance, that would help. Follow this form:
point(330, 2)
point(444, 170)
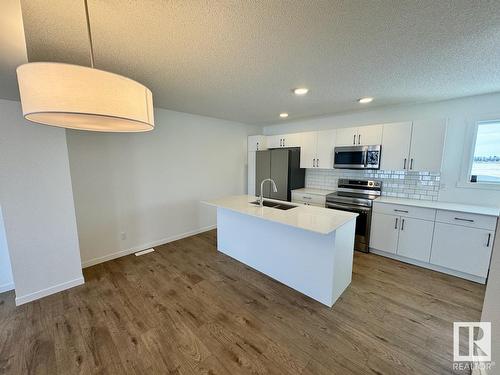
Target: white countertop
point(448, 206)
point(311, 218)
point(322, 192)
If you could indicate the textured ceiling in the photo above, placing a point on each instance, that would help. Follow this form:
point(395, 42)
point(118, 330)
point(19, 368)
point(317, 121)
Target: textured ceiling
point(238, 60)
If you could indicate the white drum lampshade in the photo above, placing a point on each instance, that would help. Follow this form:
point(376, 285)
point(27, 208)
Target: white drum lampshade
point(77, 97)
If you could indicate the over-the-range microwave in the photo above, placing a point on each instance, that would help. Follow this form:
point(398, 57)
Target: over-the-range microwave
point(357, 157)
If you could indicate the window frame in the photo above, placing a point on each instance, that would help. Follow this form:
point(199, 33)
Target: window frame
point(468, 154)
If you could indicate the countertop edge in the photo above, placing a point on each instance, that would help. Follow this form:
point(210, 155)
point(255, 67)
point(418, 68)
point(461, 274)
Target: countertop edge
point(314, 191)
point(275, 220)
point(445, 206)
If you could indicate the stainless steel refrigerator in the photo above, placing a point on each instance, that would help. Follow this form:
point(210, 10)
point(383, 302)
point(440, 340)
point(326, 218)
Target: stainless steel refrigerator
point(283, 166)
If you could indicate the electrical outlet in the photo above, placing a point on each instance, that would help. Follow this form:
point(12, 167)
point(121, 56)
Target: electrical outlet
point(123, 236)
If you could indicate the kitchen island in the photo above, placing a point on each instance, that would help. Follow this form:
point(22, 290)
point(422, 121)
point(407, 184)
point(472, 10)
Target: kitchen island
point(308, 248)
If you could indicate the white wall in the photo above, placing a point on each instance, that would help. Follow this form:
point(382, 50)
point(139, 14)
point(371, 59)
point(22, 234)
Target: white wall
point(6, 280)
point(149, 185)
point(37, 204)
point(491, 306)
point(460, 113)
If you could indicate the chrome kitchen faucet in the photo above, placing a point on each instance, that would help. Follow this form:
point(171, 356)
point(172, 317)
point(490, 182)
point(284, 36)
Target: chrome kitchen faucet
point(275, 189)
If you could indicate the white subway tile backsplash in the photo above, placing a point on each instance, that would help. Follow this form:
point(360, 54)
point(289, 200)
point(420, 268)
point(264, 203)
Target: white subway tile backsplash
point(401, 184)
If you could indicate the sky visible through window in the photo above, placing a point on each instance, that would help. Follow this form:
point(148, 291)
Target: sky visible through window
point(486, 163)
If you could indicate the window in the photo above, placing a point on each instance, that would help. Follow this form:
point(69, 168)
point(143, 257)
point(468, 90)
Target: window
point(485, 166)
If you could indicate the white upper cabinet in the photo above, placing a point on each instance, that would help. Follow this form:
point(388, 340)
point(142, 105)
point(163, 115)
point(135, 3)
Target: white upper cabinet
point(324, 149)
point(369, 135)
point(364, 135)
point(396, 146)
point(346, 136)
point(291, 140)
point(284, 140)
point(257, 142)
point(427, 144)
point(416, 146)
point(251, 172)
point(274, 141)
point(316, 149)
point(308, 150)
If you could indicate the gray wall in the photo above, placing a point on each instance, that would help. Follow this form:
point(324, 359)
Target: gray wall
point(491, 307)
point(37, 205)
point(133, 191)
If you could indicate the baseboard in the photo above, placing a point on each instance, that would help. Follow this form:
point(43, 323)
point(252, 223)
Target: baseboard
point(122, 253)
point(48, 291)
point(6, 287)
point(463, 275)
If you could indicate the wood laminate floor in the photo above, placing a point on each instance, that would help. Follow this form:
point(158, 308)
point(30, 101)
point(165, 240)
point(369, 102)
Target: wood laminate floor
point(186, 309)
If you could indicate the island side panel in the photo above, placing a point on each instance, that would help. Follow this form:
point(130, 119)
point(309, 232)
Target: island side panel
point(344, 254)
point(301, 259)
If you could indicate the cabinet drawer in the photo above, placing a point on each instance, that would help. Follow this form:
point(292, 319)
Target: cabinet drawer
point(313, 199)
point(405, 211)
point(308, 204)
point(467, 220)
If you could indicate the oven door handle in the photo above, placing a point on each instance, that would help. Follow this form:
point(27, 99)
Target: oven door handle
point(347, 207)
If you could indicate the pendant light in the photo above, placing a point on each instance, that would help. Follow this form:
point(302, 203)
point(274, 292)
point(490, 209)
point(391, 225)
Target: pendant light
point(78, 97)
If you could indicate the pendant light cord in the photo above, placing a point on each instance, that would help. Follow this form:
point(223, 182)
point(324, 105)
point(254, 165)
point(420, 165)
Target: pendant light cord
point(89, 33)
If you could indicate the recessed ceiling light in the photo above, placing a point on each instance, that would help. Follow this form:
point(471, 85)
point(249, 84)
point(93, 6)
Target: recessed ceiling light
point(284, 115)
point(365, 100)
point(300, 91)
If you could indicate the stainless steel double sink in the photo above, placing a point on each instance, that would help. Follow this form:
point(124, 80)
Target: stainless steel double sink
point(279, 206)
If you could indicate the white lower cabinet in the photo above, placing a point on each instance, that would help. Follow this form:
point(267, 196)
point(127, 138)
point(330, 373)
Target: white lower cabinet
point(415, 239)
point(385, 232)
point(408, 237)
point(463, 249)
point(452, 242)
point(308, 199)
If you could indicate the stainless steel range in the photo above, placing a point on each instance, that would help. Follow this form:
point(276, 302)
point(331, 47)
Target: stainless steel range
point(357, 196)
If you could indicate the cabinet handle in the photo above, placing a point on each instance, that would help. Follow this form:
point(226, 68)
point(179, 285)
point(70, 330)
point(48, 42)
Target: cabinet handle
point(284, 142)
point(359, 139)
point(411, 163)
point(467, 220)
point(304, 197)
point(402, 224)
point(354, 140)
point(314, 163)
point(489, 238)
point(404, 164)
point(281, 140)
point(317, 163)
point(396, 224)
point(401, 211)
point(257, 146)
